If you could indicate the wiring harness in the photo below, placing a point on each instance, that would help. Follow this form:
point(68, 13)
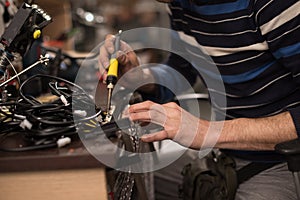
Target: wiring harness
point(45, 125)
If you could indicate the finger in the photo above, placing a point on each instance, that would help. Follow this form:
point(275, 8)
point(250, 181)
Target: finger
point(155, 108)
point(106, 50)
point(123, 59)
point(104, 58)
point(149, 117)
point(158, 136)
point(109, 43)
point(131, 56)
point(146, 105)
point(156, 116)
point(125, 47)
point(143, 116)
point(102, 71)
point(102, 75)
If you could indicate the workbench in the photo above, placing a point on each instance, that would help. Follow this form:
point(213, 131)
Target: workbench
point(68, 173)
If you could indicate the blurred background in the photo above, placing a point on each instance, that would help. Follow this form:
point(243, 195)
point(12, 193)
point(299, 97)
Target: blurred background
point(77, 28)
point(80, 25)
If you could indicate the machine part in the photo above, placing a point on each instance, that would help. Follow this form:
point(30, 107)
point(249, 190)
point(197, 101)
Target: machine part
point(131, 185)
point(43, 60)
point(23, 30)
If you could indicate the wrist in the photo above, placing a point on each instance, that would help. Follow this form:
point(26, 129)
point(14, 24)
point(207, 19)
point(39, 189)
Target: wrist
point(215, 134)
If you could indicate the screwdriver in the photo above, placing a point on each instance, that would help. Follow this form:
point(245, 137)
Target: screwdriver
point(112, 74)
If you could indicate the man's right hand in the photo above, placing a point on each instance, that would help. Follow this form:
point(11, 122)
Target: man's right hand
point(126, 57)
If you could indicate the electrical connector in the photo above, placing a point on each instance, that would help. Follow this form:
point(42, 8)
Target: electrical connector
point(26, 124)
point(82, 113)
point(63, 142)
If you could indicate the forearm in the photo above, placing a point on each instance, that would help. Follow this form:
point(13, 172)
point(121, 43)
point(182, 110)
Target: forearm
point(188, 130)
point(256, 134)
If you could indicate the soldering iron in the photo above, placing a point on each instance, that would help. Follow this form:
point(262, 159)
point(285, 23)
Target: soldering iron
point(112, 74)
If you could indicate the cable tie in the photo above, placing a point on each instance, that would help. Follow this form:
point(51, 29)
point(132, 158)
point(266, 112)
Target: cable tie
point(26, 124)
point(64, 100)
point(63, 142)
point(82, 113)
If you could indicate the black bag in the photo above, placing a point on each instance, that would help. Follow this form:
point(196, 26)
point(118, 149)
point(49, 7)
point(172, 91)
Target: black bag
point(210, 178)
point(214, 177)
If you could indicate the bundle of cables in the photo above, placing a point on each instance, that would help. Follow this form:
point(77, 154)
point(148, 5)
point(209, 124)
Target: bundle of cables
point(49, 124)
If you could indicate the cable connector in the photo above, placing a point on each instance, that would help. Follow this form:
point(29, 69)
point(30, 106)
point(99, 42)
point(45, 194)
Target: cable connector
point(81, 113)
point(26, 124)
point(63, 142)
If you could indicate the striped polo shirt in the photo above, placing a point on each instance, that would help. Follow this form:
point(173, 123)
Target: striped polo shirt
point(255, 45)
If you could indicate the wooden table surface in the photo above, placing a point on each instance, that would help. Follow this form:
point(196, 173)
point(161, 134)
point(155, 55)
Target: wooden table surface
point(55, 173)
point(72, 156)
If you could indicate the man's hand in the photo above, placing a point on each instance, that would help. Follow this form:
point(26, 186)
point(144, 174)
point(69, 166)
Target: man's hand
point(178, 124)
point(128, 60)
point(126, 56)
point(188, 130)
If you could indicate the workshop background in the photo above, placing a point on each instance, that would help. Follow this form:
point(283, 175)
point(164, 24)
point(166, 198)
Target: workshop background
point(41, 156)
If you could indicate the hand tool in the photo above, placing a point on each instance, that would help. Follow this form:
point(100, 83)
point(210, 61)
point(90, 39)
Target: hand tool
point(112, 74)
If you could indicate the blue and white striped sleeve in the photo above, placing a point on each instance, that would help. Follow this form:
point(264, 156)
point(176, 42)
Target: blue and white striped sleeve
point(279, 23)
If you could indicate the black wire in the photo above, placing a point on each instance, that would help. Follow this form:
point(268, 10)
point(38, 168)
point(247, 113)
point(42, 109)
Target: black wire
point(23, 96)
point(49, 121)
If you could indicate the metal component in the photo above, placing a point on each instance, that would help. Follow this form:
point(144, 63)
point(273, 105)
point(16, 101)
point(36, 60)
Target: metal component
point(43, 60)
point(18, 37)
point(124, 186)
point(23, 30)
point(110, 87)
